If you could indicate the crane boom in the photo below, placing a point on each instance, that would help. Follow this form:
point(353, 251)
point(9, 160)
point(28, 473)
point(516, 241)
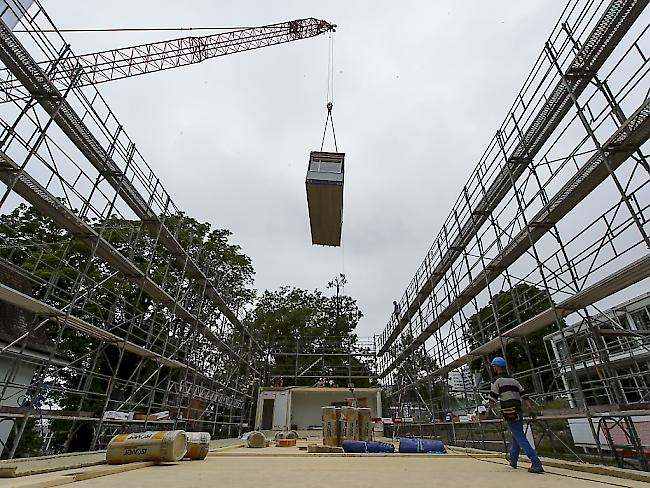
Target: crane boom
point(114, 64)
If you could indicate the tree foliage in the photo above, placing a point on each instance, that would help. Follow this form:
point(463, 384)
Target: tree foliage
point(62, 269)
point(293, 320)
point(506, 310)
point(30, 441)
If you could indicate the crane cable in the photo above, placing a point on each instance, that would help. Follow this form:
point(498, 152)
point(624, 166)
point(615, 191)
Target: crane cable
point(329, 99)
point(330, 94)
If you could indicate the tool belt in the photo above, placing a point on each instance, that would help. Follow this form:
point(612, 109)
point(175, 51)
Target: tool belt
point(510, 413)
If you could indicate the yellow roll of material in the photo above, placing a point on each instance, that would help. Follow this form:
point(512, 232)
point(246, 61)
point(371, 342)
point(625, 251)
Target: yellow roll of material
point(163, 446)
point(365, 429)
point(255, 439)
point(198, 444)
point(331, 429)
point(349, 424)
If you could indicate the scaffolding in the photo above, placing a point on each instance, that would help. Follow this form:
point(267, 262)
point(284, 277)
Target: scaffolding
point(345, 361)
point(126, 309)
point(127, 275)
point(551, 224)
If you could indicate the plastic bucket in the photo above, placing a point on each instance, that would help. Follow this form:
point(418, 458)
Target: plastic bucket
point(408, 445)
point(286, 434)
point(163, 446)
point(365, 447)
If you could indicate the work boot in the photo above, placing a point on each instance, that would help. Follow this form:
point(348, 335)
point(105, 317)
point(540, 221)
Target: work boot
point(536, 469)
point(512, 465)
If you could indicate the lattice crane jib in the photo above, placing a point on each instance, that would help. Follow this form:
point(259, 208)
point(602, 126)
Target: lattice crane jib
point(126, 62)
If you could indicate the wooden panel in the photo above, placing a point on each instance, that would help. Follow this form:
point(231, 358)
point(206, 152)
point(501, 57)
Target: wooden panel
point(325, 202)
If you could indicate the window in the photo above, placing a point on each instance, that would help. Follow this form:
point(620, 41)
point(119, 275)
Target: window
point(622, 320)
point(325, 166)
point(641, 319)
point(613, 343)
point(329, 167)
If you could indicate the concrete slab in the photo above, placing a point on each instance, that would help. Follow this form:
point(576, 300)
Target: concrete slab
point(221, 443)
point(613, 471)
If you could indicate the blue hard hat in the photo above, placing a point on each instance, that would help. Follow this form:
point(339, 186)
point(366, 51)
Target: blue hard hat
point(499, 361)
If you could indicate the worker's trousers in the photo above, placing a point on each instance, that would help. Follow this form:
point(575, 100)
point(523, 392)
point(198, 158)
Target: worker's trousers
point(519, 440)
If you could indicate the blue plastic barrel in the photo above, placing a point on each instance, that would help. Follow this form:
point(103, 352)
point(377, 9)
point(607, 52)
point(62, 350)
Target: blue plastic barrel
point(364, 446)
point(420, 445)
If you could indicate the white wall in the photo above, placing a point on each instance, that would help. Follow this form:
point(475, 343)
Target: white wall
point(281, 411)
point(306, 406)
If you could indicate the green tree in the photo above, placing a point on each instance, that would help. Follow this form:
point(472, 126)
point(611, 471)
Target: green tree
point(60, 265)
point(30, 441)
point(506, 310)
point(300, 327)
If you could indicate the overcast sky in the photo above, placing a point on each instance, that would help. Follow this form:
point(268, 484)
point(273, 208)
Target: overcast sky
point(420, 88)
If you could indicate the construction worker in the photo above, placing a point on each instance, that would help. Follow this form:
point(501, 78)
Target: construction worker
point(509, 393)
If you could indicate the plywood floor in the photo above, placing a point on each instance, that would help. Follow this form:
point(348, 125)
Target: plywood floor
point(288, 467)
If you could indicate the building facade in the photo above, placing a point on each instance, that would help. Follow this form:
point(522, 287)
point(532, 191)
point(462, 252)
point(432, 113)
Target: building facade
point(611, 354)
point(461, 383)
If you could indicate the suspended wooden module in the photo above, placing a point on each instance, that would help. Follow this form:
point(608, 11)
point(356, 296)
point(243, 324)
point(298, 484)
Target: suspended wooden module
point(325, 197)
point(325, 179)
